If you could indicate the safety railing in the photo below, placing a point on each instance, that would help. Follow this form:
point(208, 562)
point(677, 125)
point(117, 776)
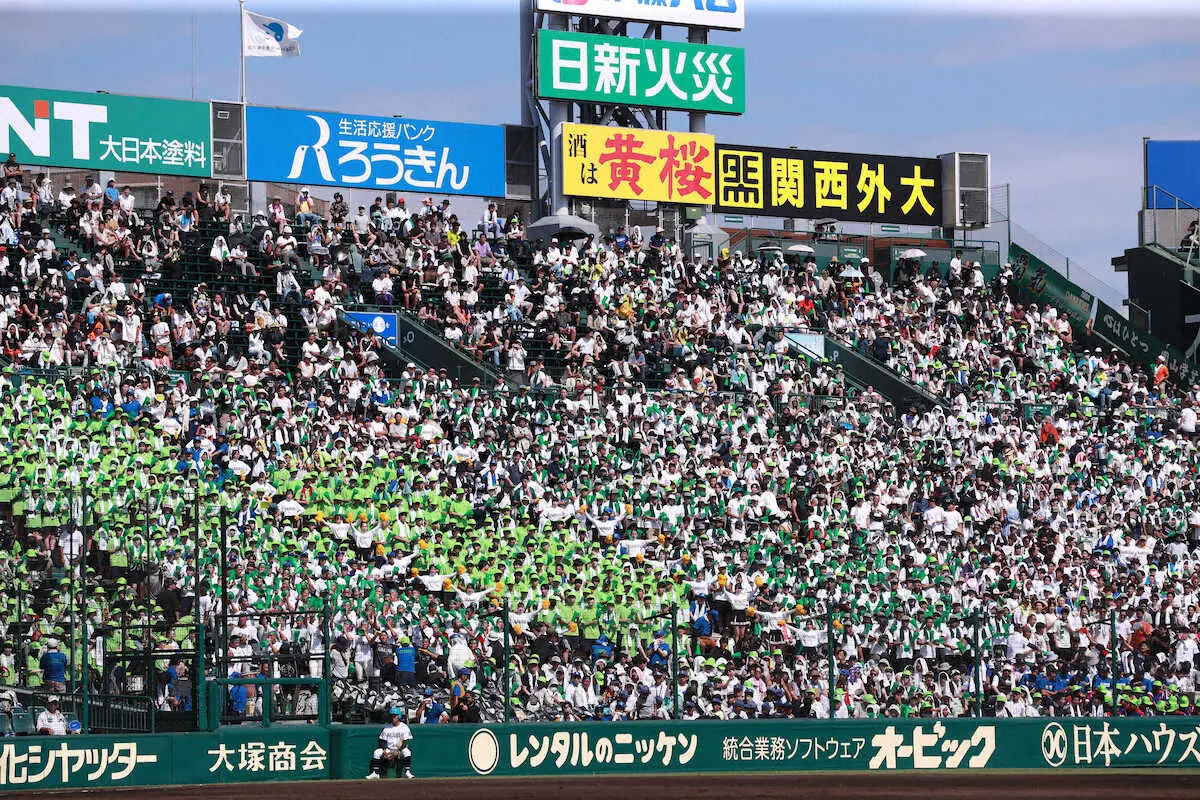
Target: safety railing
point(1172, 223)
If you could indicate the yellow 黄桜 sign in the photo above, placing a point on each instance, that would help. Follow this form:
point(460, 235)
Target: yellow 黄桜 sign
point(631, 164)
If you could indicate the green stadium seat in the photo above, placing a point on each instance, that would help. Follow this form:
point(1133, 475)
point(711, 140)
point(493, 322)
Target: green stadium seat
point(22, 722)
point(6, 725)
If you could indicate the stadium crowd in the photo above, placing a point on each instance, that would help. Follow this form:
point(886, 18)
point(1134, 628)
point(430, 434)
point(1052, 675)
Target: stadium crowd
point(669, 464)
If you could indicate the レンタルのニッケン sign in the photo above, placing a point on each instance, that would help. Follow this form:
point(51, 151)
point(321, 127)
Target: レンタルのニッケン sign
point(803, 745)
point(641, 72)
point(641, 747)
point(633, 164)
point(813, 184)
point(47, 127)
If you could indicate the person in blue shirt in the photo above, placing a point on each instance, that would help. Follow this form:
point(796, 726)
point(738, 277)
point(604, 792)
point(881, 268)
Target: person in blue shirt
point(101, 403)
point(132, 407)
point(658, 244)
point(660, 651)
point(459, 687)
point(237, 696)
point(702, 624)
point(180, 687)
point(406, 662)
point(432, 711)
point(602, 648)
point(112, 195)
point(621, 241)
point(54, 667)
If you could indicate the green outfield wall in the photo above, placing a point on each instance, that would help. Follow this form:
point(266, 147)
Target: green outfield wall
point(230, 755)
point(310, 752)
point(783, 746)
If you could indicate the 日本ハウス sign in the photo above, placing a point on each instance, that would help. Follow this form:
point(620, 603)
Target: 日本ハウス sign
point(728, 14)
point(813, 184)
point(633, 164)
point(47, 127)
point(642, 72)
point(385, 153)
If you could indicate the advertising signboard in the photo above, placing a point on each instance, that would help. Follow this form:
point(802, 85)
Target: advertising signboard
point(232, 755)
point(814, 184)
point(641, 72)
point(52, 128)
point(384, 153)
point(382, 324)
point(1045, 284)
point(728, 14)
point(1174, 167)
point(633, 164)
point(793, 745)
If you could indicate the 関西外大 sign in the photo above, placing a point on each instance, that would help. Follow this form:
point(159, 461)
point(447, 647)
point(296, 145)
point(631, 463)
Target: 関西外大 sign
point(814, 184)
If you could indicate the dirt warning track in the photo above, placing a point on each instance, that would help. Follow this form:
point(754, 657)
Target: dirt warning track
point(1059, 785)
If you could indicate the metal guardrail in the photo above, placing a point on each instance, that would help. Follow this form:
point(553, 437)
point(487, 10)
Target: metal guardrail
point(1177, 216)
point(426, 347)
point(883, 378)
point(118, 713)
point(106, 713)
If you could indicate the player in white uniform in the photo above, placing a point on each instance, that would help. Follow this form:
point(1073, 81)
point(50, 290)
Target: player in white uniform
point(393, 747)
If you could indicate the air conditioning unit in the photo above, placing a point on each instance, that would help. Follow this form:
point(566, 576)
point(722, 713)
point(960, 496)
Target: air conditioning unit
point(966, 192)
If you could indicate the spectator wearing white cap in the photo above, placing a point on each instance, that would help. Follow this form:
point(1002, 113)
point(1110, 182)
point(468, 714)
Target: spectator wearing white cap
point(51, 721)
point(306, 215)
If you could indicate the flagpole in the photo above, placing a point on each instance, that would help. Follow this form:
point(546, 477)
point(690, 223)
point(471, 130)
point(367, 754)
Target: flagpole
point(193, 56)
point(242, 40)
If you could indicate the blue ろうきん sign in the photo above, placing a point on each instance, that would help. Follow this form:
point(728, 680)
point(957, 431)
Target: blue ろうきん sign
point(385, 153)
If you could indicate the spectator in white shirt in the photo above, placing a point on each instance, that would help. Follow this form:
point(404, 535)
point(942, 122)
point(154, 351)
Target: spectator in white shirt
point(52, 722)
point(491, 223)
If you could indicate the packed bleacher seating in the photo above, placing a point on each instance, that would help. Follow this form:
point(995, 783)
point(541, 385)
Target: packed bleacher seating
point(662, 477)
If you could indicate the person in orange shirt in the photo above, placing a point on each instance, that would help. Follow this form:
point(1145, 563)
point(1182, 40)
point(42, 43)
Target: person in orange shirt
point(1049, 433)
point(1161, 372)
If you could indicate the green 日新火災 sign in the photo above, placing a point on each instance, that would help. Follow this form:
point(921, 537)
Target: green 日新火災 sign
point(613, 69)
point(54, 128)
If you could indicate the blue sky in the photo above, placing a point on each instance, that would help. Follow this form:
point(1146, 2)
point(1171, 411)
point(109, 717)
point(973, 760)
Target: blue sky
point(1059, 92)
